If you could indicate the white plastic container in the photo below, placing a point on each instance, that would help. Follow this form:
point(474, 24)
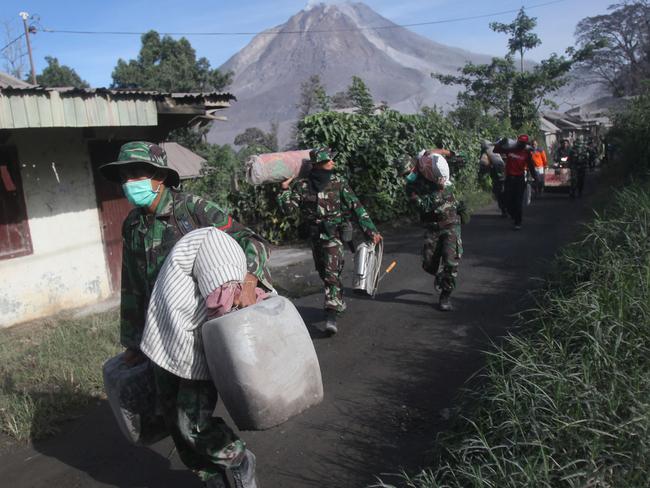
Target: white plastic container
point(131, 394)
point(263, 363)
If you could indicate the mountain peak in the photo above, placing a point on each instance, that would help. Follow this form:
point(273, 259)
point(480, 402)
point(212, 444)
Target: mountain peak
point(336, 41)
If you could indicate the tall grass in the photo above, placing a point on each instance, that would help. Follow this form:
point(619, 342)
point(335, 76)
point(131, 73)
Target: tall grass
point(50, 372)
point(565, 400)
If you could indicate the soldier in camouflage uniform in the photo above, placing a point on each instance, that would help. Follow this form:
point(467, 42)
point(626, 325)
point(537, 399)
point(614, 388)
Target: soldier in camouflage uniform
point(161, 217)
point(578, 162)
point(324, 200)
point(439, 213)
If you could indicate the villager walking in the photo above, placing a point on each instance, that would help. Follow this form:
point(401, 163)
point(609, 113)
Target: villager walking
point(161, 218)
point(518, 161)
point(541, 162)
point(326, 202)
point(430, 189)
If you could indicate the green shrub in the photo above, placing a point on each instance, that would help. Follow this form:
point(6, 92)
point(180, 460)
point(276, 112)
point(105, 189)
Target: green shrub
point(372, 151)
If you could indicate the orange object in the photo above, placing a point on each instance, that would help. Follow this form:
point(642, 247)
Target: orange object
point(539, 158)
point(391, 266)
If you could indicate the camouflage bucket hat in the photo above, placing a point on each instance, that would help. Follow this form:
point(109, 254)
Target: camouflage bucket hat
point(144, 154)
point(321, 155)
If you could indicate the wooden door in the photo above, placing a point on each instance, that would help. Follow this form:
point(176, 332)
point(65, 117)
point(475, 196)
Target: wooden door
point(113, 208)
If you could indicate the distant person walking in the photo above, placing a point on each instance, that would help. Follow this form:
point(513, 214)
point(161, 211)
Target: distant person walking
point(540, 161)
point(579, 156)
point(518, 161)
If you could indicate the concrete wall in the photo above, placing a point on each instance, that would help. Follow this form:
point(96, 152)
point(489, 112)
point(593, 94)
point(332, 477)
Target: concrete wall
point(68, 267)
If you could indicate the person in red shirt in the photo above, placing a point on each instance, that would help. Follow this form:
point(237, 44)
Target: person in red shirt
point(518, 160)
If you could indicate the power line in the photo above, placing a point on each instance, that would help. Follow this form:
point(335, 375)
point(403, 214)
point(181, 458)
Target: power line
point(311, 31)
point(16, 39)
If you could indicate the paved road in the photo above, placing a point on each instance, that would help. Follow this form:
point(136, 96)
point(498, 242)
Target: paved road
point(389, 375)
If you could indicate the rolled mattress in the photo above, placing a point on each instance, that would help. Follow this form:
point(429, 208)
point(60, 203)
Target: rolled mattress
point(277, 167)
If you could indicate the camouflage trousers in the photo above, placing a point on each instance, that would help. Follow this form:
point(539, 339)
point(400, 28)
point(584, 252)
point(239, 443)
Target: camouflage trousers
point(577, 181)
point(441, 255)
point(204, 443)
point(328, 258)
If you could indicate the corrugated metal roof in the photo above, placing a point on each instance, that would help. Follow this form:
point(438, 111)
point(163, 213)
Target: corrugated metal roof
point(7, 81)
point(187, 163)
point(38, 107)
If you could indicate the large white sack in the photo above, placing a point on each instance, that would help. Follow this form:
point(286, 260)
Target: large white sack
point(263, 363)
point(131, 394)
point(277, 167)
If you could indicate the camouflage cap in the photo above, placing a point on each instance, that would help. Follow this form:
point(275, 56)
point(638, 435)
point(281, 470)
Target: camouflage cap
point(144, 154)
point(321, 155)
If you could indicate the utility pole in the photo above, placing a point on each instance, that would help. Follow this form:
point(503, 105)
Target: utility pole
point(28, 30)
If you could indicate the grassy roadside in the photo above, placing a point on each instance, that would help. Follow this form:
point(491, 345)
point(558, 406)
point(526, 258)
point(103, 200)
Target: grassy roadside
point(565, 400)
point(50, 371)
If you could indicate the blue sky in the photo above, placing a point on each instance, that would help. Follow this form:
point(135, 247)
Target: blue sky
point(94, 56)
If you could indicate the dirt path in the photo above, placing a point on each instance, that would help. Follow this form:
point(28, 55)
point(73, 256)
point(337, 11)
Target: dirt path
point(389, 375)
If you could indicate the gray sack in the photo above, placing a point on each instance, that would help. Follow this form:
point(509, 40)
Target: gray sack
point(131, 394)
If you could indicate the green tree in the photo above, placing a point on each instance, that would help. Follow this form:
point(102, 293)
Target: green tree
point(522, 38)
point(168, 65)
point(360, 96)
point(313, 97)
point(254, 136)
point(55, 74)
point(621, 38)
point(515, 97)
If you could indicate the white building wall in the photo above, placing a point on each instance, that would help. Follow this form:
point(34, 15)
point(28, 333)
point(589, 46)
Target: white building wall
point(68, 267)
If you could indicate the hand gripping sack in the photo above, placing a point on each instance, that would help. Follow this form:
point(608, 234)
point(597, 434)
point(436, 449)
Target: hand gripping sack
point(131, 393)
point(277, 167)
point(263, 363)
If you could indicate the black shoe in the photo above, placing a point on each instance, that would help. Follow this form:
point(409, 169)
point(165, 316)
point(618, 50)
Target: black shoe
point(330, 322)
point(445, 303)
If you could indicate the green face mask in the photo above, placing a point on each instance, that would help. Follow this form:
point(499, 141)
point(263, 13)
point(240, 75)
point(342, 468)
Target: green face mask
point(140, 192)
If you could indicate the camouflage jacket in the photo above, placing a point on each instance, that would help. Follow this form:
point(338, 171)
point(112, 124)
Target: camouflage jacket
point(437, 207)
point(328, 209)
point(579, 156)
point(148, 239)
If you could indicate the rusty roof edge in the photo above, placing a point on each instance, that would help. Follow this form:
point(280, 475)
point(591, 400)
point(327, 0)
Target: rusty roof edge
point(116, 93)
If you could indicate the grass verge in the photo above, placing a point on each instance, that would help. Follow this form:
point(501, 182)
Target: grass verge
point(51, 371)
point(565, 400)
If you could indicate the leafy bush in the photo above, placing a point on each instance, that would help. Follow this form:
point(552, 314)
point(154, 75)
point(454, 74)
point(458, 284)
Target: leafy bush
point(372, 151)
point(632, 131)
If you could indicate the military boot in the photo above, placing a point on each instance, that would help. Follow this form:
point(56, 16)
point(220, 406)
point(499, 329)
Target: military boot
point(445, 303)
point(244, 474)
point(330, 322)
point(218, 481)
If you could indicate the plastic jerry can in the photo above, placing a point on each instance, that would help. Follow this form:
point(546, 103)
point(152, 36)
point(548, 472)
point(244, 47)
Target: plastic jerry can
point(131, 393)
point(263, 363)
